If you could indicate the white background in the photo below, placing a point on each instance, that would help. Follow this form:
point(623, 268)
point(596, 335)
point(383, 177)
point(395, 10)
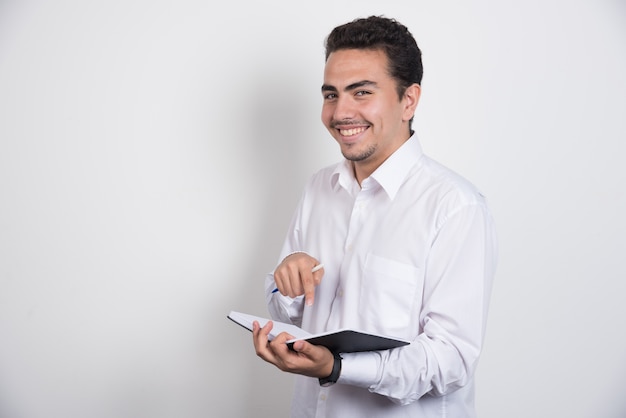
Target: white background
point(152, 152)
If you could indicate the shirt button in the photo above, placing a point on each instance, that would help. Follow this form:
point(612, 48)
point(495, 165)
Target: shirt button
point(340, 293)
point(323, 396)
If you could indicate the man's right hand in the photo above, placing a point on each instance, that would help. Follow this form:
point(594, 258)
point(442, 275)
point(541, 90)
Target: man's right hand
point(294, 278)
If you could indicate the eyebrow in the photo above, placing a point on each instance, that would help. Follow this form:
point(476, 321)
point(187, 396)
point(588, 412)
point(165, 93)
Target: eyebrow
point(358, 84)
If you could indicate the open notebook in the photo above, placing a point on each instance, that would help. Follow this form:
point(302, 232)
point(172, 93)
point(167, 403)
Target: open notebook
point(339, 341)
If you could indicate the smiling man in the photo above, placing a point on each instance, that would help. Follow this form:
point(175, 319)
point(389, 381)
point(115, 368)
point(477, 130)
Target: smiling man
point(360, 100)
point(408, 248)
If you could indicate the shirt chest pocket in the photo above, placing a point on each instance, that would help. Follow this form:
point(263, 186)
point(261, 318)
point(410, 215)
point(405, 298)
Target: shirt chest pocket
point(390, 292)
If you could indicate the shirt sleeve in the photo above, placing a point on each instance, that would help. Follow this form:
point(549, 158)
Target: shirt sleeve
point(283, 308)
point(443, 357)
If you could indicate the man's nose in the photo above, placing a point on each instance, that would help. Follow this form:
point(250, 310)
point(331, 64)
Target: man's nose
point(344, 108)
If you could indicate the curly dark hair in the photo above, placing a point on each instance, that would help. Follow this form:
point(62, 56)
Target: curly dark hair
point(388, 35)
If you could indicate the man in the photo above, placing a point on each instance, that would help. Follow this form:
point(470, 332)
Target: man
point(408, 249)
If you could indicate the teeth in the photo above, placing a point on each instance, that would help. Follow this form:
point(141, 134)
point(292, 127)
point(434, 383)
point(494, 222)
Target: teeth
point(350, 132)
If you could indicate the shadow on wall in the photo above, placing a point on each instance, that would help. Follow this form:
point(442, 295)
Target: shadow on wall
point(274, 120)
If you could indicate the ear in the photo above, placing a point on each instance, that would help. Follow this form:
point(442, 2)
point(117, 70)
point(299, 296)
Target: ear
point(411, 98)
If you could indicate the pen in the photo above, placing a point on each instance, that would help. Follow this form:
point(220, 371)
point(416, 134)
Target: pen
point(313, 270)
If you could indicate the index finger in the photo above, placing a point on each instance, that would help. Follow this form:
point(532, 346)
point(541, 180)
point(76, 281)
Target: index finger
point(309, 281)
point(261, 335)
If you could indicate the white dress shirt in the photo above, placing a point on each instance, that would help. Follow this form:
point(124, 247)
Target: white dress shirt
point(410, 253)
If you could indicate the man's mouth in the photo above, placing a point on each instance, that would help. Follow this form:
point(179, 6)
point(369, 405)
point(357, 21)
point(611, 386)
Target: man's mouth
point(352, 131)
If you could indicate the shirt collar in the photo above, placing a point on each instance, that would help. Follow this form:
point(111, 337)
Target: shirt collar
point(343, 176)
point(391, 173)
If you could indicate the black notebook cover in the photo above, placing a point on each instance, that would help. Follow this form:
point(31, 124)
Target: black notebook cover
point(341, 341)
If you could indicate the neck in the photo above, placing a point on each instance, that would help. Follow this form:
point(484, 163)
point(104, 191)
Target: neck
point(362, 170)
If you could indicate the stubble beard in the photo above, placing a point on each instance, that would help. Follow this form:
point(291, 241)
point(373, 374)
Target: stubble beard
point(359, 156)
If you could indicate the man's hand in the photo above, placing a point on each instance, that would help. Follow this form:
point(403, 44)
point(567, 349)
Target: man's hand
point(294, 277)
point(307, 359)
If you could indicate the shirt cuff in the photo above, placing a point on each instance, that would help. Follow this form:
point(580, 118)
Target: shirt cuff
point(360, 369)
point(285, 309)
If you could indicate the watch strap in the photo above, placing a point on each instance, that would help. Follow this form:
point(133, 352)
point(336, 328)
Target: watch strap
point(334, 375)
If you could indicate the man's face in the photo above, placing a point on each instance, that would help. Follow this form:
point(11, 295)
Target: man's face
point(362, 110)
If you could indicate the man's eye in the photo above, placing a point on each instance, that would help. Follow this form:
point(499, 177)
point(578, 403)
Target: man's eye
point(330, 96)
point(362, 93)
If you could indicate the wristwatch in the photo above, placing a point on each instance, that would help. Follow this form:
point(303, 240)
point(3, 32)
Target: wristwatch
point(334, 375)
